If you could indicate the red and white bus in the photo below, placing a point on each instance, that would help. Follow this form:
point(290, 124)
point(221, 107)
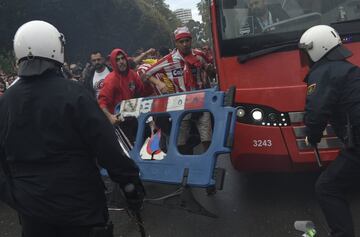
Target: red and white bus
point(264, 66)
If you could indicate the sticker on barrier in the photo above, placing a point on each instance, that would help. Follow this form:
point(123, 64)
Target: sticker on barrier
point(165, 126)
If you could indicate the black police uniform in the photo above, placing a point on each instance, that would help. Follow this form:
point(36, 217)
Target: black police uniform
point(334, 97)
point(51, 129)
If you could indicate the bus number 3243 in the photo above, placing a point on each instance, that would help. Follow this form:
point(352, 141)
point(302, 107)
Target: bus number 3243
point(262, 143)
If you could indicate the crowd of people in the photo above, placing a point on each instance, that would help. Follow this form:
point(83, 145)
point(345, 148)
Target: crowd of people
point(5, 81)
point(99, 64)
point(117, 77)
point(92, 73)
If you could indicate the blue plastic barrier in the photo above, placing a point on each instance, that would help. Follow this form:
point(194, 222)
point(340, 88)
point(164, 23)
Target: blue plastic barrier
point(174, 168)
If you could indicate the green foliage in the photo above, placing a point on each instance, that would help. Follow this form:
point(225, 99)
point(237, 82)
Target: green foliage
point(92, 24)
point(204, 10)
point(197, 32)
point(7, 62)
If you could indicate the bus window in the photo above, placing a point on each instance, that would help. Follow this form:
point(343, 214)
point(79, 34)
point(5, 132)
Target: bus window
point(292, 8)
point(234, 15)
point(252, 25)
point(238, 19)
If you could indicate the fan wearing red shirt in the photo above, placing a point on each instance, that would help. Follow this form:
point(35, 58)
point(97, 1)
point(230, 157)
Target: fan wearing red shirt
point(122, 83)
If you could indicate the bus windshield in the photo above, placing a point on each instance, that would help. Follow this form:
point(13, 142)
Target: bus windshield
point(248, 26)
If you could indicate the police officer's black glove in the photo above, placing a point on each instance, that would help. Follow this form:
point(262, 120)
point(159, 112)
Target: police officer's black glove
point(313, 137)
point(134, 193)
point(311, 141)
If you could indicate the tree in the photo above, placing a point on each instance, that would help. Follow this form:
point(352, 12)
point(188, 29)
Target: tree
point(198, 33)
point(204, 10)
point(92, 24)
point(7, 62)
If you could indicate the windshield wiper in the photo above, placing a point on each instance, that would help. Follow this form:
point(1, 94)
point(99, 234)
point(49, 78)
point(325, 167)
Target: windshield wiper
point(243, 58)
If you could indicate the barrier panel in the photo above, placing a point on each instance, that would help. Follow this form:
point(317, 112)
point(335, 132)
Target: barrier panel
point(171, 166)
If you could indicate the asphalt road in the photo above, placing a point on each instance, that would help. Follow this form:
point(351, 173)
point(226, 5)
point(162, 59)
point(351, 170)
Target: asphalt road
point(251, 205)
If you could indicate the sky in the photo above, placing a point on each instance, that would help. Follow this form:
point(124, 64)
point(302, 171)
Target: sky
point(176, 4)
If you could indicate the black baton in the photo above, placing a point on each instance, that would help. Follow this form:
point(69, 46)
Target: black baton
point(130, 191)
point(140, 224)
point(317, 156)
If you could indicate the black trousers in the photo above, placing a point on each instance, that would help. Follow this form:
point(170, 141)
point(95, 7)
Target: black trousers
point(331, 189)
point(33, 228)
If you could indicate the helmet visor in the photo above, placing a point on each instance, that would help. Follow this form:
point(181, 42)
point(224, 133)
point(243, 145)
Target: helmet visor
point(304, 56)
point(305, 60)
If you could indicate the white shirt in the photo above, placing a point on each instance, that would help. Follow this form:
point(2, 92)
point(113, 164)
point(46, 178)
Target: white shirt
point(98, 80)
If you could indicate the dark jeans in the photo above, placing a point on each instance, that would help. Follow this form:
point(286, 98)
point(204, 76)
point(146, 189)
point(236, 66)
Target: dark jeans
point(331, 187)
point(34, 228)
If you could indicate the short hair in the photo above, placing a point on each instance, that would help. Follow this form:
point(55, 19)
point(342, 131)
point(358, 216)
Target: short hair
point(96, 52)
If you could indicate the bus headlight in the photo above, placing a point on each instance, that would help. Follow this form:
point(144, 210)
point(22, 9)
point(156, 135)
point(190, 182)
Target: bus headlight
point(257, 114)
point(240, 112)
point(261, 115)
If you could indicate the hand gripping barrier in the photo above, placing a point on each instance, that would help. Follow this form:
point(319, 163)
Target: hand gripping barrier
point(177, 168)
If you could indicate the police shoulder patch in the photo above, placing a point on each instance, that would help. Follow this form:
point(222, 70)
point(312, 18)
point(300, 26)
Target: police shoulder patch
point(311, 89)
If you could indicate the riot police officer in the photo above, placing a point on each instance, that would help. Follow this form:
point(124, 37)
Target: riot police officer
point(333, 96)
point(50, 131)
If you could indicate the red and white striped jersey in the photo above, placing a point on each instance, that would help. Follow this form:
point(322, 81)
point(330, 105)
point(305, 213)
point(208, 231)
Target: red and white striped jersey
point(159, 76)
point(186, 73)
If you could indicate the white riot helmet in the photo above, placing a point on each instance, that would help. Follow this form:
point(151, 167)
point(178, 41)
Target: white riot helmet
point(318, 41)
point(39, 39)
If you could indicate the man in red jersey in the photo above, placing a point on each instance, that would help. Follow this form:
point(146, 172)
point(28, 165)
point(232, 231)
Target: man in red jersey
point(186, 68)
